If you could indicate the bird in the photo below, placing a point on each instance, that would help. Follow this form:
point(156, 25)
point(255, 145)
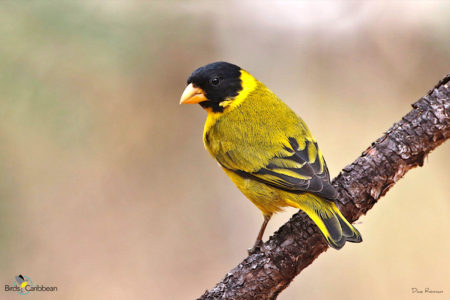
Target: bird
point(266, 149)
point(21, 281)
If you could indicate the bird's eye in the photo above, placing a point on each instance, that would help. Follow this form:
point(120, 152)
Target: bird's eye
point(215, 81)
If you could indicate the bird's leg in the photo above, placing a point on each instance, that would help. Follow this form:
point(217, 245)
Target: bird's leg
point(259, 242)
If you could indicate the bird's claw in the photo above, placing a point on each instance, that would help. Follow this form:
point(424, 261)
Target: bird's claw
point(256, 248)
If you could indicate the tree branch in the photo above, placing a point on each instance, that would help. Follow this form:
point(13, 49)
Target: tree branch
point(298, 243)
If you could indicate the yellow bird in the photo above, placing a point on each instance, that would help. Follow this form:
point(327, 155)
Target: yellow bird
point(266, 149)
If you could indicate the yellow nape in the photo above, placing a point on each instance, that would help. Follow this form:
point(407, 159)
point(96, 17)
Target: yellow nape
point(249, 84)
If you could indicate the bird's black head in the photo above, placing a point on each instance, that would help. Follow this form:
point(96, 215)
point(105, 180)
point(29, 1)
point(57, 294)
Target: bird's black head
point(212, 84)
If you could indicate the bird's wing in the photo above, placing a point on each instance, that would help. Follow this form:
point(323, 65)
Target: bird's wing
point(300, 168)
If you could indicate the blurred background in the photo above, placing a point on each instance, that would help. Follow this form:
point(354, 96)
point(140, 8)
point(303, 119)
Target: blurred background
point(106, 190)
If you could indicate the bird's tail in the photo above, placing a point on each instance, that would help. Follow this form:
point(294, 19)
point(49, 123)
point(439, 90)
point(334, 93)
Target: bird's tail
point(333, 225)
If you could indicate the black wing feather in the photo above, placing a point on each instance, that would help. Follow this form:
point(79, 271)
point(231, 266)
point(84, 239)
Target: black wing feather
point(305, 177)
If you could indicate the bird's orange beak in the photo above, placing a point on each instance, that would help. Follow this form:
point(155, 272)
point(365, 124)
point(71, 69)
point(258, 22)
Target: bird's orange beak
point(192, 95)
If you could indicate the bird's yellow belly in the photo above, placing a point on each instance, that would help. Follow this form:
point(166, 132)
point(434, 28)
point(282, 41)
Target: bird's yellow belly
point(268, 199)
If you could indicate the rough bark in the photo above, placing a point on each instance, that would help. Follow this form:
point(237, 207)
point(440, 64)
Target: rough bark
point(298, 243)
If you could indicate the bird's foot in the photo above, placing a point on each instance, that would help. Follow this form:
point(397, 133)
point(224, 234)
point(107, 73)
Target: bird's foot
point(256, 248)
